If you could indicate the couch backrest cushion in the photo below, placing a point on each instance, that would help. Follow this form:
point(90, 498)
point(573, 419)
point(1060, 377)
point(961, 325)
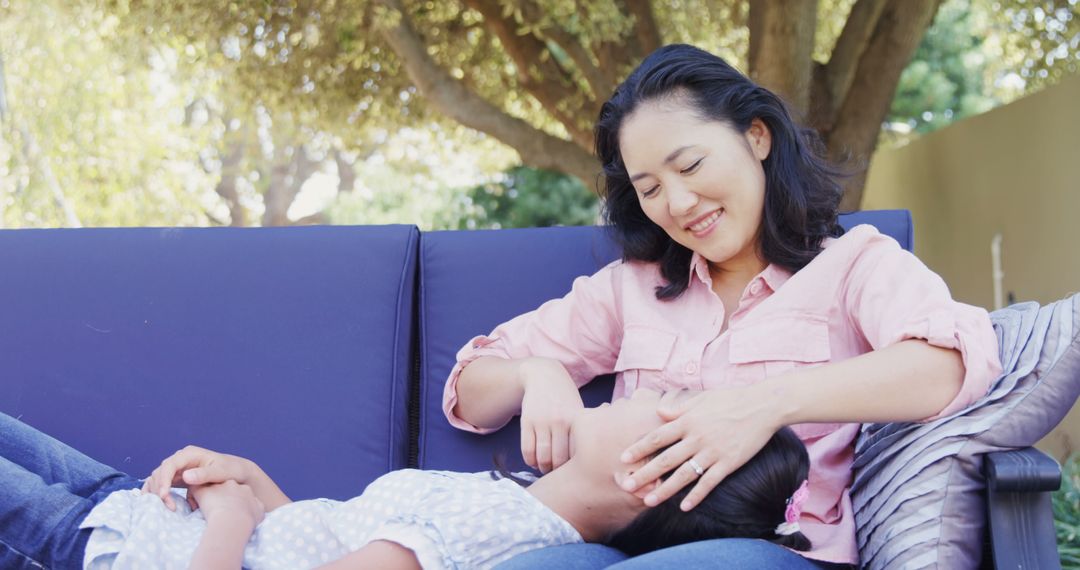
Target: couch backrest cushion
point(470, 281)
point(289, 346)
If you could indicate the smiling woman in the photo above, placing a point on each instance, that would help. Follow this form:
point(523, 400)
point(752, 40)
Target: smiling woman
point(737, 282)
point(716, 180)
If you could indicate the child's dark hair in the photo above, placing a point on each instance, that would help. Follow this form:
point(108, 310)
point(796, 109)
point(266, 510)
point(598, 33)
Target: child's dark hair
point(749, 503)
point(802, 189)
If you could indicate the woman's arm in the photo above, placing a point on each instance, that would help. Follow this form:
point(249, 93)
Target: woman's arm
point(908, 381)
point(376, 555)
point(491, 389)
point(582, 331)
point(539, 388)
point(534, 363)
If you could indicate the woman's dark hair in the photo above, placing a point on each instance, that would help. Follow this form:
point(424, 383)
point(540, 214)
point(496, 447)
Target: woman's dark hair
point(802, 192)
point(749, 503)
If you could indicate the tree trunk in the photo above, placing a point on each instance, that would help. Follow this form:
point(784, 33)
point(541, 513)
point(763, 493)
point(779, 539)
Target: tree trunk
point(346, 172)
point(288, 174)
point(226, 186)
point(782, 43)
point(847, 99)
point(854, 137)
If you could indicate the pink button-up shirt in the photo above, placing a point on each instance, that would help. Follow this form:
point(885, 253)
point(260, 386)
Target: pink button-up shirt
point(863, 292)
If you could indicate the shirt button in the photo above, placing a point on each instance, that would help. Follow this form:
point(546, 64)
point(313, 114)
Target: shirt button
point(691, 368)
point(755, 288)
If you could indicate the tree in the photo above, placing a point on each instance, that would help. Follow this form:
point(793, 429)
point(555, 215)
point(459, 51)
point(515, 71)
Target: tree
point(533, 73)
point(278, 92)
point(89, 136)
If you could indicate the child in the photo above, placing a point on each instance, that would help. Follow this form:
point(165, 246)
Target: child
point(59, 509)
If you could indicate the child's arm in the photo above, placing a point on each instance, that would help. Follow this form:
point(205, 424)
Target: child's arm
point(197, 466)
point(376, 555)
point(223, 542)
point(232, 512)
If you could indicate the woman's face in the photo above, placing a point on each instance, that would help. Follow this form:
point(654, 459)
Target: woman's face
point(701, 181)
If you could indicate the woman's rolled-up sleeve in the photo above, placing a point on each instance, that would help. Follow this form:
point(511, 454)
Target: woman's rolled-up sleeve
point(892, 296)
point(581, 330)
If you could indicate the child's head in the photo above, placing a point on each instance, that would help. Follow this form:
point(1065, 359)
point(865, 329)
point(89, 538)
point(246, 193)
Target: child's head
point(749, 503)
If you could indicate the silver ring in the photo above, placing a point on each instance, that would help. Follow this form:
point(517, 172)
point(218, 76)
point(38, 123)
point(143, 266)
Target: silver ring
point(696, 467)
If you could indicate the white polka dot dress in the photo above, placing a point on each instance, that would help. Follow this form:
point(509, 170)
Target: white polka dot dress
point(450, 520)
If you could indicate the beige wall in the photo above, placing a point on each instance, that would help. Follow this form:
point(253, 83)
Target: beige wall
point(1013, 171)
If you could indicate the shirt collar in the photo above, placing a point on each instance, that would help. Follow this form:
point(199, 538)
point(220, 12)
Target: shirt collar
point(699, 267)
point(773, 275)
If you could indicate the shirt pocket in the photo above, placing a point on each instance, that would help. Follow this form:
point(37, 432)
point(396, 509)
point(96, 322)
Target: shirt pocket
point(643, 356)
point(779, 344)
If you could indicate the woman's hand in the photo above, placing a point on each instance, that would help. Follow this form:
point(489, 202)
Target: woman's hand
point(718, 429)
point(194, 465)
point(548, 409)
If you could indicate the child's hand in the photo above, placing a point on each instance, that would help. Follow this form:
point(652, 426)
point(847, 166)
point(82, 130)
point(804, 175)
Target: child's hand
point(228, 500)
point(232, 511)
point(195, 466)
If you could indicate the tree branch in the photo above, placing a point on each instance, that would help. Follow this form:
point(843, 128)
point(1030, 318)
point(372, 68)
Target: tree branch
point(840, 70)
point(598, 82)
point(899, 30)
point(450, 97)
point(538, 73)
point(608, 52)
point(648, 34)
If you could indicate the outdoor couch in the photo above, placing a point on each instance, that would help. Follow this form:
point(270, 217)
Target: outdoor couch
point(319, 352)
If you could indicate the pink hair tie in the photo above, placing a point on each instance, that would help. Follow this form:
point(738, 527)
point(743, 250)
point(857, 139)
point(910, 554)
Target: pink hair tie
point(793, 511)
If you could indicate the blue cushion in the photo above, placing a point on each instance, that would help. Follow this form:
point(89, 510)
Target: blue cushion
point(470, 281)
point(290, 346)
point(894, 223)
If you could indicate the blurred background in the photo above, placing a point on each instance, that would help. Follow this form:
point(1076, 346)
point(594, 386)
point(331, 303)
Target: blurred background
point(462, 114)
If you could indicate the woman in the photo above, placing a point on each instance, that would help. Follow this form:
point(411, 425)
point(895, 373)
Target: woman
point(61, 509)
point(736, 281)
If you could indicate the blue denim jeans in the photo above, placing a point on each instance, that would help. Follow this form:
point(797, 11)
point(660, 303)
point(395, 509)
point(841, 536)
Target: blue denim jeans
point(46, 490)
point(726, 553)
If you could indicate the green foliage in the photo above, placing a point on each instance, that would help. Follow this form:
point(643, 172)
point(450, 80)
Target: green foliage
point(89, 128)
point(528, 197)
point(947, 78)
point(979, 54)
point(1067, 514)
point(417, 176)
point(1037, 39)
